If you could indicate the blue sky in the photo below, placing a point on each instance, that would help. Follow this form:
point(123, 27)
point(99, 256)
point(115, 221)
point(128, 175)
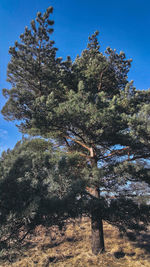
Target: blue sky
point(124, 25)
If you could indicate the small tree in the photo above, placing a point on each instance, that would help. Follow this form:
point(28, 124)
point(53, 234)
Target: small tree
point(38, 185)
point(86, 106)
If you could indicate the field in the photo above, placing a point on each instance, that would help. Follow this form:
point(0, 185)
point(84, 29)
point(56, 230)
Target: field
point(72, 248)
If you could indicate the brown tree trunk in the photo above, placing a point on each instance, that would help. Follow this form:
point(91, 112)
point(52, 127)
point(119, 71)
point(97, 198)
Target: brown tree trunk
point(96, 220)
point(96, 227)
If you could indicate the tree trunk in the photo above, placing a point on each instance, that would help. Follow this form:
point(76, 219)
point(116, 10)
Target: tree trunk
point(96, 220)
point(96, 227)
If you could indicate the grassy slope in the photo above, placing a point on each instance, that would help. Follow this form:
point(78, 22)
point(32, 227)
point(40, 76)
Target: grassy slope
point(72, 248)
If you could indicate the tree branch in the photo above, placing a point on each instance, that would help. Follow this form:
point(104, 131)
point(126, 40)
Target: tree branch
point(78, 142)
point(77, 134)
point(116, 152)
point(101, 77)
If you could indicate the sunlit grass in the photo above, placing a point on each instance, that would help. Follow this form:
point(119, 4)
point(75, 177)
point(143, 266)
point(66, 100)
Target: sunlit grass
point(72, 248)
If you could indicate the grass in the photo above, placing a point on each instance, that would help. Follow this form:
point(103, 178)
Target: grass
point(72, 248)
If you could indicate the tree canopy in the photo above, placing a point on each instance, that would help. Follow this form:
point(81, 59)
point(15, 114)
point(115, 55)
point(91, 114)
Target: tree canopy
point(89, 100)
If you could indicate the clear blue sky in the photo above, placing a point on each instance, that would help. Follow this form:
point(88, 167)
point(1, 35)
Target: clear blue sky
point(124, 25)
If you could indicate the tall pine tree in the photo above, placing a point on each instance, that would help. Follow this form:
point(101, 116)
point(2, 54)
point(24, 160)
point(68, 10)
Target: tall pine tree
point(86, 106)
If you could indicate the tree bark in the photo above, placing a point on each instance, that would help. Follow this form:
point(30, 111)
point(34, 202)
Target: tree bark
point(97, 243)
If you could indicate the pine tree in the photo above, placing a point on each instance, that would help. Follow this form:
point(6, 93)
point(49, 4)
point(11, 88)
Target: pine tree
point(38, 186)
point(86, 106)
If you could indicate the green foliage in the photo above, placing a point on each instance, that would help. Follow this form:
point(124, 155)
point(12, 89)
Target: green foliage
point(89, 99)
point(88, 108)
point(38, 185)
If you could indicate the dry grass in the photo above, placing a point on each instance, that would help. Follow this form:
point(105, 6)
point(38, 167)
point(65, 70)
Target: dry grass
point(72, 248)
